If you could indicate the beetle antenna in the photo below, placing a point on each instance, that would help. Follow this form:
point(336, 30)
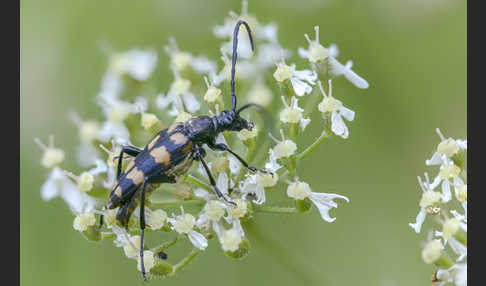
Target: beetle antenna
point(233, 60)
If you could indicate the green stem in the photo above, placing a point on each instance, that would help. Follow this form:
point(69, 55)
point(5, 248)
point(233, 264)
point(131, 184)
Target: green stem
point(176, 203)
point(275, 209)
point(324, 135)
point(199, 183)
point(165, 245)
point(107, 235)
point(186, 260)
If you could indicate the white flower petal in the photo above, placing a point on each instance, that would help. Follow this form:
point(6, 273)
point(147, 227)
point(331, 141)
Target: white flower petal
point(459, 248)
point(303, 53)
point(347, 113)
point(338, 126)
point(190, 101)
point(337, 69)
point(300, 87)
point(198, 240)
point(304, 122)
point(324, 202)
point(417, 226)
point(222, 183)
point(201, 193)
point(435, 160)
point(307, 75)
point(115, 130)
point(462, 144)
point(446, 191)
point(333, 50)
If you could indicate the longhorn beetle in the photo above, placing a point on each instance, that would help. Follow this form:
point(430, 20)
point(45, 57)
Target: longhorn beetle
point(171, 153)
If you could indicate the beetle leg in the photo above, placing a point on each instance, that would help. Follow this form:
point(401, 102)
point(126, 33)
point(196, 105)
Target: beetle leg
point(142, 226)
point(211, 179)
point(130, 150)
point(224, 147)
point(161, 178)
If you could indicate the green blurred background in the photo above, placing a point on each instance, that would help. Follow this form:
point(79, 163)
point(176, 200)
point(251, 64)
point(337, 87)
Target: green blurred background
point(413, 53)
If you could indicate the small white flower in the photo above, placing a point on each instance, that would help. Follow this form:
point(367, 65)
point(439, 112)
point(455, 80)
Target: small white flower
point(184, 224)
point(337, 111)
point(230, 239)
point(138, 64)
point(316, 52)
point(249, 186)
point(450, 227)
point(155, 219)
point(428, 201)
point(293, 113)
point(447, 147)
point(58, 184)
point(301, 81)
point(213, 94)
point(83, 221)
point(448, 176)
point(148, 261)
point(324, 202)
point(284, 148)
point(260, 94)
point(180, 97)
point(51, 156)
point(432, 251)
point(131, 246)
point(239, 211)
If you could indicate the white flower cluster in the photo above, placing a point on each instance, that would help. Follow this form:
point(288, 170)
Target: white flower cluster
point(450, 158)
point(196, 213)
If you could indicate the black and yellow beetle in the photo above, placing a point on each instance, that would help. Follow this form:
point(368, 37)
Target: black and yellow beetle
point(171, 153)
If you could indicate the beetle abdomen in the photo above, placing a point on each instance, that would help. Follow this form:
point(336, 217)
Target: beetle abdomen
point(169, 152)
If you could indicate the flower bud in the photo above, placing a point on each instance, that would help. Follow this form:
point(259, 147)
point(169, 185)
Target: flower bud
point(213, 94)
point(182, 190)
point(260, 94)
point(245, 134)
point(432, 251)
point(430, 199)
point(149, 120)
point(329, 104)
point(239, 210)
point(156, 219)
point(88, 131)
point(298, 190)
point(85, 181)
point(148, 261)
point(450, 227)
point(448, 147)
point(462, 193)
point(132, 247)
point(180, 86)
point(242, 250)
point(109, 216)
point(283, 72)
point(182, 117)
point(181, 60)
point(266, 179)
point(52, 157)
point(83, 221)
point(214, 210)
point(220, 165)
point(449, 171)
point(184, 223)
point(285, 148)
